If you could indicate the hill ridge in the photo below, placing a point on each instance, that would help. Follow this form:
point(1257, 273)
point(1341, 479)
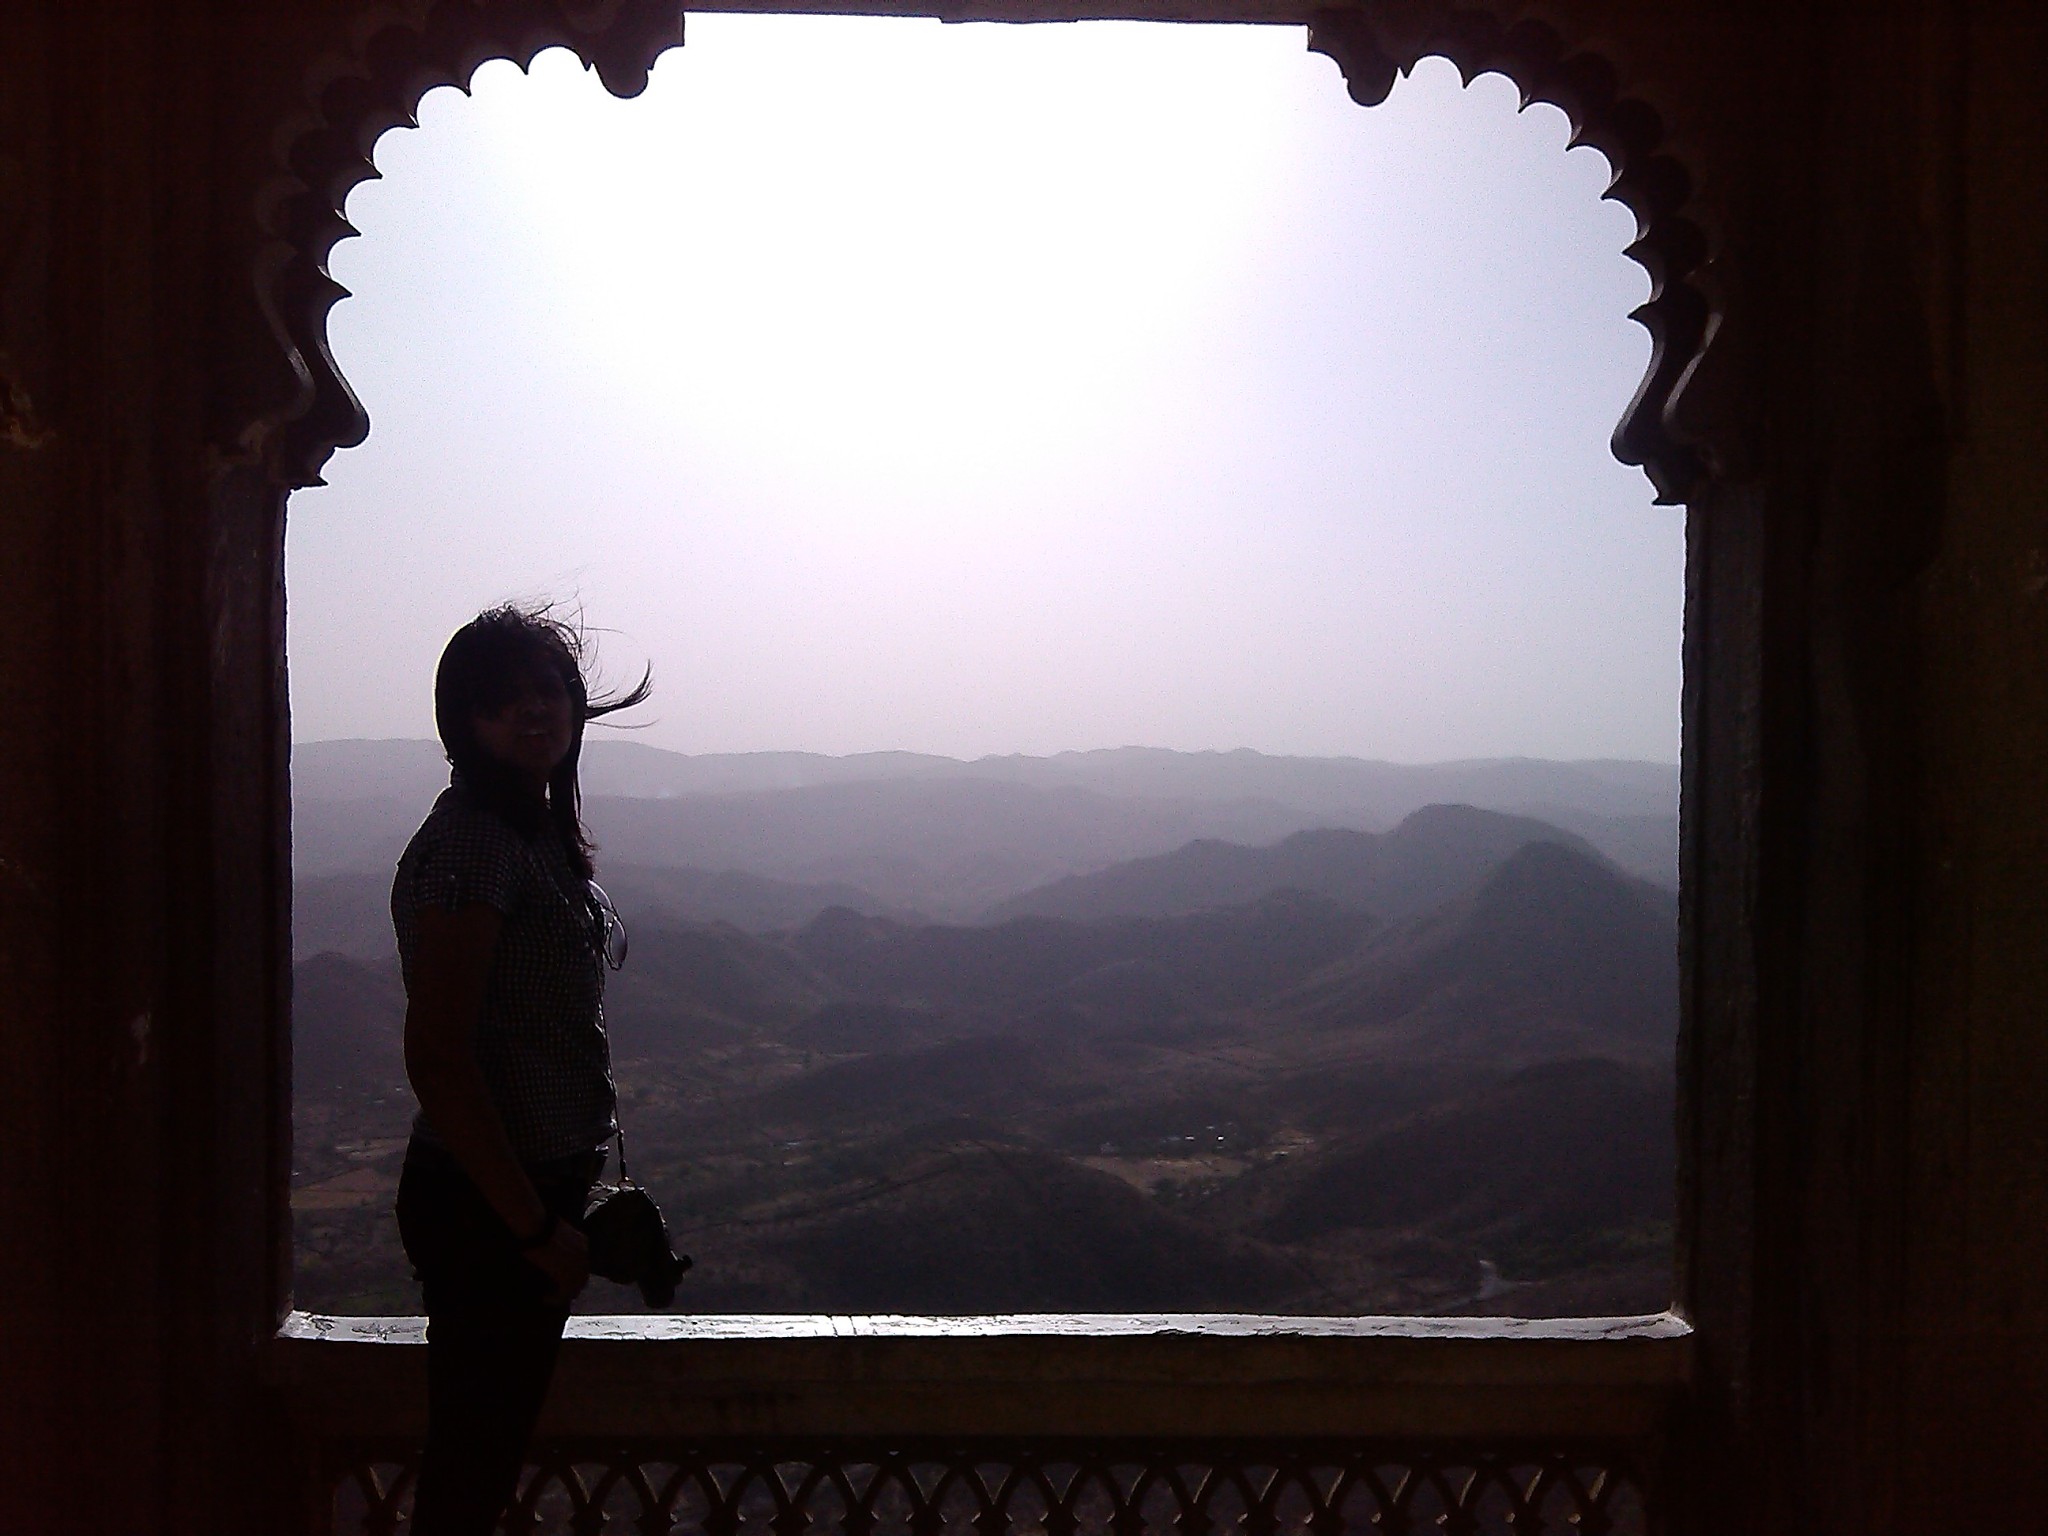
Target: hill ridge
point(1437, 852)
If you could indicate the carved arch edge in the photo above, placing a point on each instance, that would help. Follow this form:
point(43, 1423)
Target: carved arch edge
point(1664, 430)
point(375, 86)
point(397, 60)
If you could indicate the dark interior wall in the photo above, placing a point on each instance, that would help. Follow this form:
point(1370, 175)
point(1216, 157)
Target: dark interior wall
point(1865, 728)
point(82, 810)
point(1973, 1372)
point(1917, 1075)
point(135, 973)
point(41, 1055)
point(1867, 835)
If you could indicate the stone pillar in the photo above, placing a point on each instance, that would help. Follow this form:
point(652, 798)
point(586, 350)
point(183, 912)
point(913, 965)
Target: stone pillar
point(142, 1129)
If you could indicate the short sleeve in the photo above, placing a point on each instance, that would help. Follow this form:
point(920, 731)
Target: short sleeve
point(474, 860)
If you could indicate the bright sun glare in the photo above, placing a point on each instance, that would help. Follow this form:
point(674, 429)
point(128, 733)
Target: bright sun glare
point(993, 389)
point(982, 240)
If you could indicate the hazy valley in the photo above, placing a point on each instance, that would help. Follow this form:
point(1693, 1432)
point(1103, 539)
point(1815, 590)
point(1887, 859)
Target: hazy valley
point(1124, 1031)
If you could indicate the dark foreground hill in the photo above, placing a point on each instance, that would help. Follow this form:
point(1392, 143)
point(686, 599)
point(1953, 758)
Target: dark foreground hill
point(987, 1227)
point(351, 1110)
point(1200, 960)
point(1554, 955)
point(1561, 1176)
point(347, 1027)
point(1563, 1148)
point(698, 986)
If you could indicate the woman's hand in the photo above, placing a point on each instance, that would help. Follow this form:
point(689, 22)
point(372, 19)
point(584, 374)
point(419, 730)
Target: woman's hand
point(565, 1259)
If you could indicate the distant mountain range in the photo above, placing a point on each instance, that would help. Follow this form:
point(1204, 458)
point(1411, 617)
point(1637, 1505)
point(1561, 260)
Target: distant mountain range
point(350, 913)
point(1427, 1069)
point(1435, 854)
point(767, 840)
point(414, 770)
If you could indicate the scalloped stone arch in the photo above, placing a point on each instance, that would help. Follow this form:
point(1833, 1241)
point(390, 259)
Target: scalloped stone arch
point(398, 58)
point(377, 86)
point(1374, 46)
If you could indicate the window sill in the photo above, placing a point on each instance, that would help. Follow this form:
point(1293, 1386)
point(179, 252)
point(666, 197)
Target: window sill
point(1115, 1376)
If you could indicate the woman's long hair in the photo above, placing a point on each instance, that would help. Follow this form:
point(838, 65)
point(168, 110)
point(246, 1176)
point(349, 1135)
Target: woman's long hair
point(483, 668)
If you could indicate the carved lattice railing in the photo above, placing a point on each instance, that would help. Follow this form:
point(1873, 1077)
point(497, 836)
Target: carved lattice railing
point(1007, 1490)
point(1030, 1426)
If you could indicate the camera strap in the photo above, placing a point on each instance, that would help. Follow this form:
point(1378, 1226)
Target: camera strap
point(619, 1136)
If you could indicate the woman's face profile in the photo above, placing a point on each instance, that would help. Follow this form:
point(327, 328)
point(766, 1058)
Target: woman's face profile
point(532, 730)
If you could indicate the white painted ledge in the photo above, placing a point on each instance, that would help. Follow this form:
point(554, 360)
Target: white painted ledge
point(1033, 1376)
point(675, 1328)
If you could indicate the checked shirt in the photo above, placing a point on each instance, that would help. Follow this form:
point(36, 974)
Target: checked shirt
point(540, 1042)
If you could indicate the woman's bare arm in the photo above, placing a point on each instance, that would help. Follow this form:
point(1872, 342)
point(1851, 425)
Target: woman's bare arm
point(450, 970)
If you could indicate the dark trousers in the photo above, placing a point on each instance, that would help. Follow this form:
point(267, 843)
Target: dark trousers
point(492, 1333)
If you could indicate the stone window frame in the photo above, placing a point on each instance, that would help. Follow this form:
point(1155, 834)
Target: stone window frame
point(1687, 427)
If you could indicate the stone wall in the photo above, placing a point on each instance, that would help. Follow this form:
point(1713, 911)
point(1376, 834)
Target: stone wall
point(1865, 1122)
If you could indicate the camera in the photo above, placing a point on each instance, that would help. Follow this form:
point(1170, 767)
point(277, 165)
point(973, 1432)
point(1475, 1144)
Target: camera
point(629, 1243)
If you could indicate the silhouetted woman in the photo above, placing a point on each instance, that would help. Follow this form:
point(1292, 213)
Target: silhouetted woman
point(501, 936)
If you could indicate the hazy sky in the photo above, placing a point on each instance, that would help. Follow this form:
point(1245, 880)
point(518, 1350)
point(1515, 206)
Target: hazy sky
point(986, 389)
